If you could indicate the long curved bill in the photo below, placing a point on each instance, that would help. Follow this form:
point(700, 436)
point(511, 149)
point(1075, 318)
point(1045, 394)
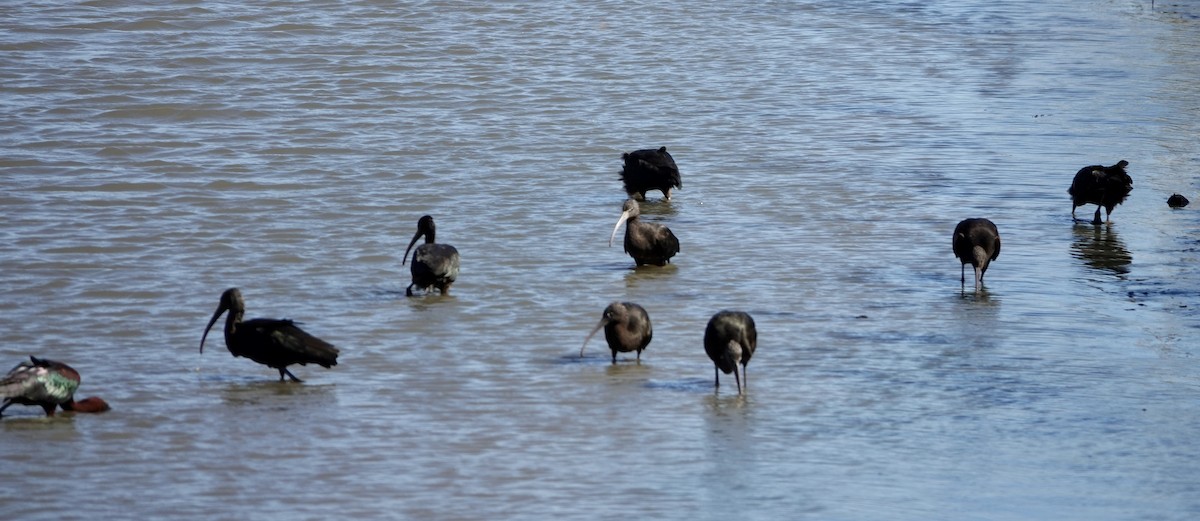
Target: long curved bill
point(410, 245)
point(220, 309)
point(624, 217)
point(603, 322)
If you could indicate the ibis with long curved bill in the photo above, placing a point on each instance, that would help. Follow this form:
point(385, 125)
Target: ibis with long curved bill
point(434, 265)
point(275, 343)
point(730, 340)
point(626, 329)
point(976, 242)
point(647, 243)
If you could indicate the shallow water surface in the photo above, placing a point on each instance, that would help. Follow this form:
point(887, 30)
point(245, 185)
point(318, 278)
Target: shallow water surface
point(154, 156)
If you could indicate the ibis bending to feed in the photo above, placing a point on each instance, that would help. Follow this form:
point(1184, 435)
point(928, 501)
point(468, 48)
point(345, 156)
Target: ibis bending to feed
point(1103, 186)
point(976, 242)
point(433, 265)
point(649, 169)
point(729, 340)
point(647, 243)
point(271, 342)
point(48, 384)
point(626, 328)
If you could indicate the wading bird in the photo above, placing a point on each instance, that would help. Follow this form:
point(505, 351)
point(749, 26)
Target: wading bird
point(647, 243)
point(1103, 186)
point(976, 242)
point(271, 342)
point(626, 328)
point(647, 170)
point(48, 384)
point(729, 340)
point(433, 265)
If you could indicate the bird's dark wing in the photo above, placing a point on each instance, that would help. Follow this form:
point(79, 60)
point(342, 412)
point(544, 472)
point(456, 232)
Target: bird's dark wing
point(653, 158)
point(285, 341)
point(19, 380)
point(666, 241)
point(657, 161)
point(749, 337)
point(441, 261)
point(639, 320)
point(1086, 179)
point(40, 381)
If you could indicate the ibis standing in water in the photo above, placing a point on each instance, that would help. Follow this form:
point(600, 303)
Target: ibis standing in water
point(1104, 186)
point(275, 343)
point(48, 384)
point(730, 340)
point(976, 242)
point(626, 328)
point(433, 265)
point(650, 169)
point(647, 243)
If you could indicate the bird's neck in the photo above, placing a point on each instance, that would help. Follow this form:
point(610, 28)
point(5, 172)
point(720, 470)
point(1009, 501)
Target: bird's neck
point(91, 404)
point(231, 323)
point(734, 353)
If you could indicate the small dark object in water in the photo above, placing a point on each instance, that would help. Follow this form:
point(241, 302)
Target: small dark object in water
point(1103, 186)
point(730, 339)
point(47, 384)
point(649, 169)
point(434, 265)
point(626, 328)
point(270, 342)
point(1177, 201)
point(976, 242)
point(647, 243)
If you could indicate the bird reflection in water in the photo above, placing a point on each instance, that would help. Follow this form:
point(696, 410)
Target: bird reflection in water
point(1101, 249)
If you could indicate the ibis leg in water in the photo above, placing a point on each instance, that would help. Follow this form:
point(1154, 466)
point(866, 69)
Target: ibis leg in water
point(730, 340)
point(275, 343)
point(976, 242)
point(626, 328)
point(434, 265)
point(647, 243)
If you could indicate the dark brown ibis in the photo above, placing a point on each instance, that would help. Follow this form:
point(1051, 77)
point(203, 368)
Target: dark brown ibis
point(730, 340)
point(976, 242)
point(48, 384)
point(433, 265)
point(649, 169)
point(1103, 186)
point(1177, 201)
point(647, 243)
point(275, 343)
point(626, 328)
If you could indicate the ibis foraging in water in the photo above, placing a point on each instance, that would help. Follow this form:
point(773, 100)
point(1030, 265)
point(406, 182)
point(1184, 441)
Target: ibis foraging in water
point(647, 243)
point(730, 340)
point(976, 242)
point(268, 341)
point(48, 384)
point(626, 328)
point(433, 265)
point(1103, 186)
point(647, 170)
